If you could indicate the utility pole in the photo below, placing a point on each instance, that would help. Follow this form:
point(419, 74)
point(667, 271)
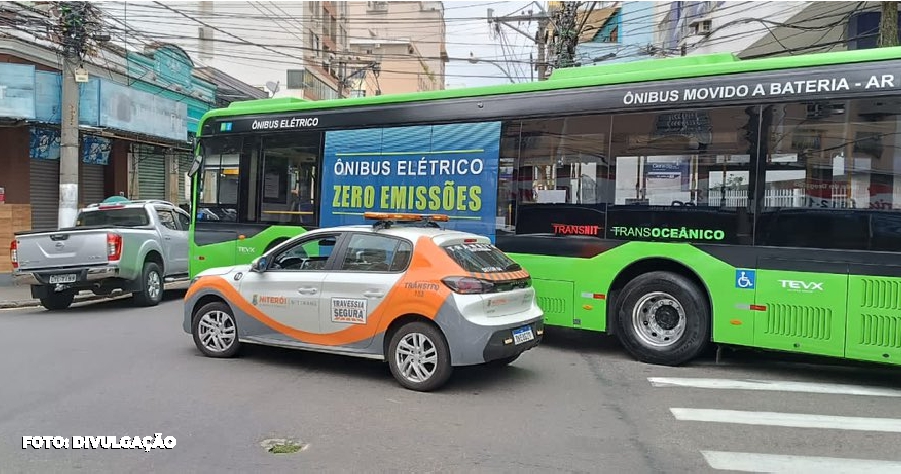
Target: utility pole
point(541, 42)
point(566, 36)
point(888, 25)
point(72, 24)
point(540, 37)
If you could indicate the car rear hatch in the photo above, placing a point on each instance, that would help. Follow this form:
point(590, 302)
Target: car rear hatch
point(503, 287)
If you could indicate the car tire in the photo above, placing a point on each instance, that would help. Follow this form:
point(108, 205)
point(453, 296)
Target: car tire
point(503, 361)
point(58, 301)
point(662, 318)
point(410, 357)
point(152, 286)
point(215, 330)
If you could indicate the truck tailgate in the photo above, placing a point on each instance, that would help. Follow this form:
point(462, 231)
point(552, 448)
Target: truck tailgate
point(62, 249)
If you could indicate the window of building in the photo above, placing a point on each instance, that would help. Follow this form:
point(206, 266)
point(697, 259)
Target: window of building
point(294, 78)
point(288, 181)
point(832, 175)
point(377, 6)
point(317, 89)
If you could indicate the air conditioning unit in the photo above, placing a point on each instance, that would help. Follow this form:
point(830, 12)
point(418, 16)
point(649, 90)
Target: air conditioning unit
point(700, 27)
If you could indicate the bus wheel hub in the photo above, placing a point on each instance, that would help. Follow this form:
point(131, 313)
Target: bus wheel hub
point(658, 320)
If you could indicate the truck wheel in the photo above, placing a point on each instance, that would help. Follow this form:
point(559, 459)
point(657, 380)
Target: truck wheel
point(662, 318)
point(152, 284)
point(419, 357)
point(57, 301)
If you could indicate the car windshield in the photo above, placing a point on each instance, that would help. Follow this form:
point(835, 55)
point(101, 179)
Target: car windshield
point(481, 258)
point(125, 217)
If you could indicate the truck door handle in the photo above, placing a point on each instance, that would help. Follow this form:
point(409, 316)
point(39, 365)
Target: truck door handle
point(373, 294)
point(168, 238)
point(307, 290)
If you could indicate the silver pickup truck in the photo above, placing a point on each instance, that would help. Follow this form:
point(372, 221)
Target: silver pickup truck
point(128, 246)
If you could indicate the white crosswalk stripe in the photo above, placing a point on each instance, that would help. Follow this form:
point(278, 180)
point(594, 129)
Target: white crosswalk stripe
point(754, 462)
point(794, 420)
point(785, 463)
point(773, 385)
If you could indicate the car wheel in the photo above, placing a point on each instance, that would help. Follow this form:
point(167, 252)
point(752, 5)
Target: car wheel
point(152, 284)
point(663, 318)
point(419, 357)
point(215, 331)
point(57, 301)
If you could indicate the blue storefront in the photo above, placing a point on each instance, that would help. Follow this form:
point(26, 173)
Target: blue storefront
point(135, 134)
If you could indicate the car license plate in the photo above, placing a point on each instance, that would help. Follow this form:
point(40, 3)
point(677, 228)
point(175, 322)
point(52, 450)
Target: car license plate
point(67, 278)
point(523, 334)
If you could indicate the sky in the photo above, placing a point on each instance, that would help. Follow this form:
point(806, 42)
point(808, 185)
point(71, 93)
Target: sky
point(468, 32)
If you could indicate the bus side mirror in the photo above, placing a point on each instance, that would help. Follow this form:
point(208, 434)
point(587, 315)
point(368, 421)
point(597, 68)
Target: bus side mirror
point(195, 166)
point(258, 265)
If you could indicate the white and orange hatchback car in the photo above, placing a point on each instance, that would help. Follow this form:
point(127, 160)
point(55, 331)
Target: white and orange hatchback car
point(404, 290)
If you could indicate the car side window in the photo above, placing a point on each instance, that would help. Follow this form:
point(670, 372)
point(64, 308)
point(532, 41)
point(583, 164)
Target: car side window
point(376, 253)
point(166, 219)
point(307, 254)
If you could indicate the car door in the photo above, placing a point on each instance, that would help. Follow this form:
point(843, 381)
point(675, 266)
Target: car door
point(288, 289)
point(180, 243)
point(169, 235)
point(369, 268)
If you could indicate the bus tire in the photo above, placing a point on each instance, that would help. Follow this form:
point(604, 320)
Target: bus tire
point(662, 318)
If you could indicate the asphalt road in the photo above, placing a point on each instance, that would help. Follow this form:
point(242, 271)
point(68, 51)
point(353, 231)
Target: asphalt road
point(577, 403)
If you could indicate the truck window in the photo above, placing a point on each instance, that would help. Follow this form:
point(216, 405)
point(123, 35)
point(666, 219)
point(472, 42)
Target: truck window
point(128, 217)
point(166, 219)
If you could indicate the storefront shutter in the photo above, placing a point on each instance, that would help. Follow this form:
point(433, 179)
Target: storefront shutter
point(44, 190)
point(91, 186)
point(151, 165)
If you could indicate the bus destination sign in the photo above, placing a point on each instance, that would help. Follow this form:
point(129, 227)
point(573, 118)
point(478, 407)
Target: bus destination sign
point(739, 90)
point(268, 124)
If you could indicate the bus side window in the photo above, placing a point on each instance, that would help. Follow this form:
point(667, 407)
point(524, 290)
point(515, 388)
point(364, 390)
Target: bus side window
point(831, 175)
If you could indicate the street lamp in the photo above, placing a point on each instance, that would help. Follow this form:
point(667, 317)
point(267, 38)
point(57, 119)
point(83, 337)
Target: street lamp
point(474, 60)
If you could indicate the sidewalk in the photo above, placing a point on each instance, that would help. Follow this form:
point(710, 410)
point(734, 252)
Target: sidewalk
point(20, 297)
point(12, 296)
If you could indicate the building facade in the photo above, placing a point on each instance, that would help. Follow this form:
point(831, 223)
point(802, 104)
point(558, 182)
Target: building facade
point(289, 49)
point(760, 29)
point(619, 32)
point(409, 50)
point(138, 112)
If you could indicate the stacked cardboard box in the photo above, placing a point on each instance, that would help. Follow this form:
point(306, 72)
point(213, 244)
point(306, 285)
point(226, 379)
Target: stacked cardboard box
point(13, 218)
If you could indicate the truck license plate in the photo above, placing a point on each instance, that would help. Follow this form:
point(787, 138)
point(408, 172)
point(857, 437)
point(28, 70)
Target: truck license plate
point(523, 334)
point(67, 278)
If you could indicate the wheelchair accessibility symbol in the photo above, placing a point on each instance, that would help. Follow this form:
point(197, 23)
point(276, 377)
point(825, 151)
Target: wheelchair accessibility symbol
point(745, 278)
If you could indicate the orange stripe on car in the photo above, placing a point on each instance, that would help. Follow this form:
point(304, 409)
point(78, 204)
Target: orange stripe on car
point(414, 293)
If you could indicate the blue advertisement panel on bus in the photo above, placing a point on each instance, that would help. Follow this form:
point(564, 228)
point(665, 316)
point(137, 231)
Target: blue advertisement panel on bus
point(431, 169)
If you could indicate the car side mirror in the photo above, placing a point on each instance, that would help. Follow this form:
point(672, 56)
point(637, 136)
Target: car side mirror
point(258, 265)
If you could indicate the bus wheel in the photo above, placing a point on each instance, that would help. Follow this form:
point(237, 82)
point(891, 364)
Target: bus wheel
point(663, 318)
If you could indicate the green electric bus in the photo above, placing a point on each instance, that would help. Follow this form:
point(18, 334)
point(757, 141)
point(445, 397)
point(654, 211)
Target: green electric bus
point(672, 202)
